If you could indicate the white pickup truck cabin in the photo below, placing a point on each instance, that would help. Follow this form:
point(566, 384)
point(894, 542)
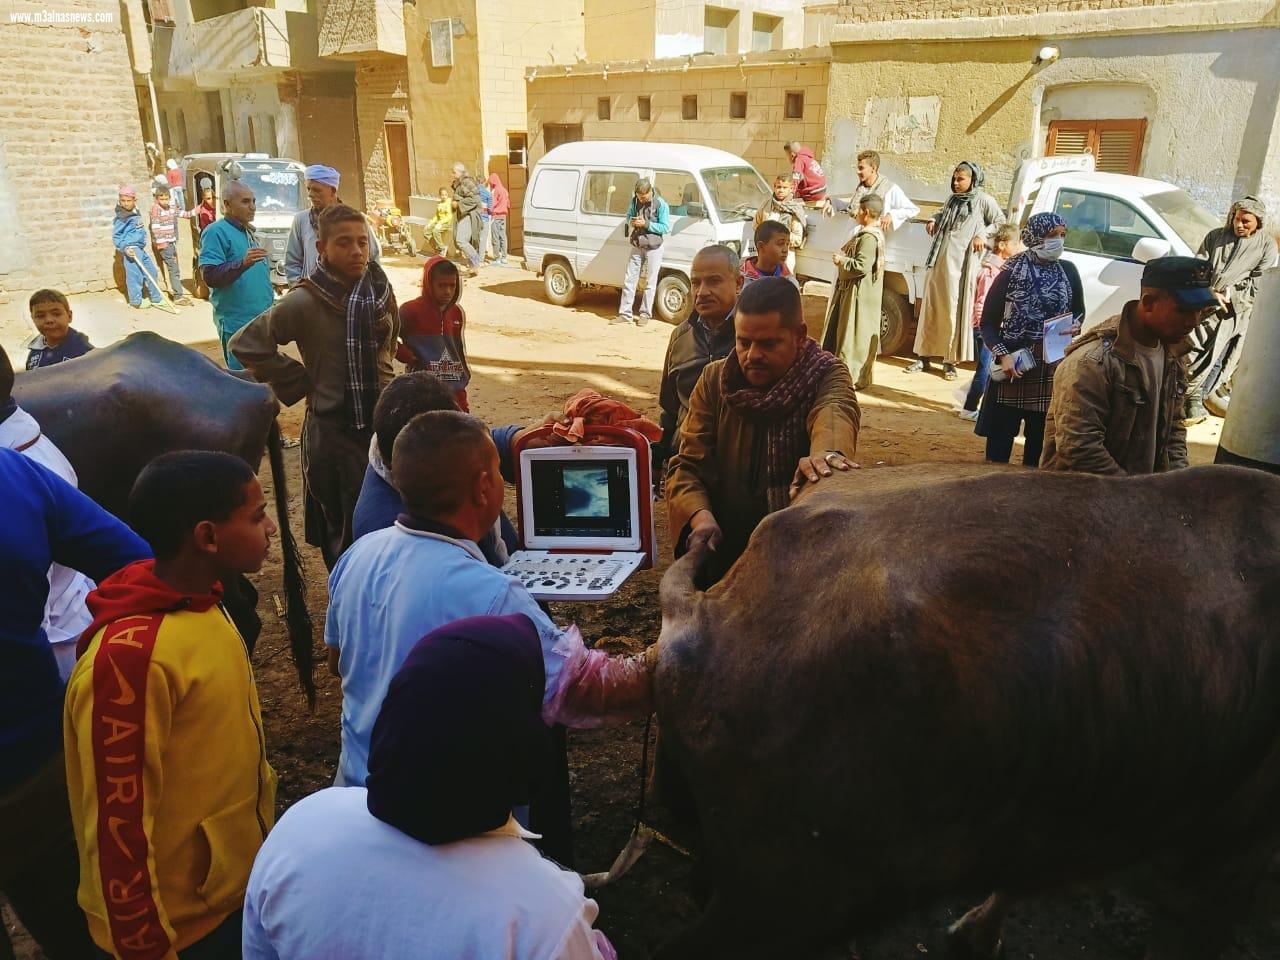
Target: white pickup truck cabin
point(1115, 224)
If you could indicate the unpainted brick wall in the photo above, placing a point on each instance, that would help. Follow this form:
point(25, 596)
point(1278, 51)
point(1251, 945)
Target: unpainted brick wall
point(375, 104)
point(69, 135)
point(863, 11)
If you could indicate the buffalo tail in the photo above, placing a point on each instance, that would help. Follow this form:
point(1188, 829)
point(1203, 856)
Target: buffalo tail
point(297, 616)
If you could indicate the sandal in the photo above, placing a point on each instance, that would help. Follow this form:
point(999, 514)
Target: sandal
point(921, 365)
point(948, 372)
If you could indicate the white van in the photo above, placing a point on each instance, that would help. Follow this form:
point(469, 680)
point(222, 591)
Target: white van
point(578, 197)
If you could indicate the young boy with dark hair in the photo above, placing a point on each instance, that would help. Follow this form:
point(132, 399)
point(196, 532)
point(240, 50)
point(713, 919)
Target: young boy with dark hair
point(773, 244)
point(54, 340)
point(164, 237)
point(344, 320)
point(432, 328)
point(788, 211)
point(171, 792)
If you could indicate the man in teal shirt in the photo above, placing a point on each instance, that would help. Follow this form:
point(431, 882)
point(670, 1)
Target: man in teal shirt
point(235, 267)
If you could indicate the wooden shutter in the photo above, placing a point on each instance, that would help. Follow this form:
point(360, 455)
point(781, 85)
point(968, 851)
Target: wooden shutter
point(1116, 144)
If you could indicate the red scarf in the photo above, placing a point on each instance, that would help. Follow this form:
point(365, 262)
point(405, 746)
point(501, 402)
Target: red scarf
point(785, 407)
point(136, 589)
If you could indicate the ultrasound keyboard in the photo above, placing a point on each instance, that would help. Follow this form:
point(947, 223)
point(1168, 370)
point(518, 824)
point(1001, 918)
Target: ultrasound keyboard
point(572, 576)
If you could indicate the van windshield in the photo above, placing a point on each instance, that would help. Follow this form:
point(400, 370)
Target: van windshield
point(276, 188)
point(1189, 220)
point(736, 192)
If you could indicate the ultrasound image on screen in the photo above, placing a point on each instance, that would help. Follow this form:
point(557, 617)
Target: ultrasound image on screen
point(581, 498)
point(586, 492)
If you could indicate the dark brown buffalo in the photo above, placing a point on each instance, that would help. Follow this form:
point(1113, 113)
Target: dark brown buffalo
point(921, 681)
point(115, 409)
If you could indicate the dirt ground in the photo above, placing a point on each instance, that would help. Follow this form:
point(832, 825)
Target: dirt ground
point(526, 357)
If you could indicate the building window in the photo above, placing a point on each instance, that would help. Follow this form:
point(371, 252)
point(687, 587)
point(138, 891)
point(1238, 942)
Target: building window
point(517, 149)
point(738, 105)
point(766, 33)
point(689, 107)
point(603, 108)
point(643, 107)
point(795, 105)
point(1115, 144)
point(554, 134)
point(719, 30)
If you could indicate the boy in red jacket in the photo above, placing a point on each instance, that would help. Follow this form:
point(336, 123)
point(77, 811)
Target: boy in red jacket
point(431, 328)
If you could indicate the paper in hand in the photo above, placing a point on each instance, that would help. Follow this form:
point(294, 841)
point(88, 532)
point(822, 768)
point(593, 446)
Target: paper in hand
point(1058, 332)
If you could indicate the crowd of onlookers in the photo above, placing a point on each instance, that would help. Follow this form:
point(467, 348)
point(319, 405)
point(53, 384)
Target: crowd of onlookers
point(139, 804)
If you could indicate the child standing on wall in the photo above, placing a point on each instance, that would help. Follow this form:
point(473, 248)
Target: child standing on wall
point(431, 328)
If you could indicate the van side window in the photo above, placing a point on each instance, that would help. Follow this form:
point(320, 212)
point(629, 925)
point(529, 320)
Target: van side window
point(555, 189)
point(681, 192)
point(1103, 226)
point(609, 193)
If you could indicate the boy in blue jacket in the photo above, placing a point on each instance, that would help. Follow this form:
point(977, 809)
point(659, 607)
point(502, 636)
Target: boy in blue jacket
point(130, 238)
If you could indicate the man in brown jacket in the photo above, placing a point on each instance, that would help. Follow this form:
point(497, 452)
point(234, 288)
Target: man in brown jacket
point(777, 412)
point(1118, 395)
point(343, 318)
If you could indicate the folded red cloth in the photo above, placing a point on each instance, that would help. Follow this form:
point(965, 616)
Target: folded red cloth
point(588, 408)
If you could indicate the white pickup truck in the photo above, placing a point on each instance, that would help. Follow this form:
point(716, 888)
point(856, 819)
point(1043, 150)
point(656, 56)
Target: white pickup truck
point(1115, 224)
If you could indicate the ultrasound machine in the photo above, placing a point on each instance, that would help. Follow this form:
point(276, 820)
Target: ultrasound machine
point(585, 514)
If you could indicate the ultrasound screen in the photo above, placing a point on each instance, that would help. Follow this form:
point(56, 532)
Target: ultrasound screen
point(581, 498)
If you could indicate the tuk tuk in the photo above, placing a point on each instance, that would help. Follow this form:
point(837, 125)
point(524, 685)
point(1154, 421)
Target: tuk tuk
point(279, 184)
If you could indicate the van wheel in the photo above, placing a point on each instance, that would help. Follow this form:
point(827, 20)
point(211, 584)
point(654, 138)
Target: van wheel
point(560, 284)
point(897, 324)
point(671, 299)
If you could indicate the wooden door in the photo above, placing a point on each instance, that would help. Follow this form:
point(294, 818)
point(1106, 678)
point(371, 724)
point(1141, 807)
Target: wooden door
point(397, 135)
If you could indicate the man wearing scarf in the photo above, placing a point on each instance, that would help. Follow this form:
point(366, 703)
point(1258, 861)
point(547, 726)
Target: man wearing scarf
point(1239, 252)
point(301, 256)
point(777, 412)
point(343, 318)
point(428, 860)
point(961, 231)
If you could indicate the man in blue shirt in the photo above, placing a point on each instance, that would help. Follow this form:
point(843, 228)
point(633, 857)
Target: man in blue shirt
point(394, 586)
point(46, 520)
point(235, 267)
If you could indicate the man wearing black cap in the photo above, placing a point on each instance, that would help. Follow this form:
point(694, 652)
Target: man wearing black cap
point(1118, 394)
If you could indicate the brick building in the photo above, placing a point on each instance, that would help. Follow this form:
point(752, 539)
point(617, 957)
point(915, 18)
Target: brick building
point(1145, 85)
point(748, 104)
point(69, 135)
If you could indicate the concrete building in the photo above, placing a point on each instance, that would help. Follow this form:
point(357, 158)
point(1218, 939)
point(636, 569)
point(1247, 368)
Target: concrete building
point(467, 61)
point(1180, 90)
point(248, 75)
point(748, 104)
point(69, 135)
point(637, 29)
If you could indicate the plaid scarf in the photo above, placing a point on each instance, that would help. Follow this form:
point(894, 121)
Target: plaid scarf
point(362, 305)
point(785, 407)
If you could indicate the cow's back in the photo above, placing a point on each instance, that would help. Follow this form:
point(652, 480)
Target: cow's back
point(910, 682)
point(116, 408)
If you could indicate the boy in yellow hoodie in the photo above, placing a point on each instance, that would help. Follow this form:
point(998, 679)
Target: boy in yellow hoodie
point(171, 793)
point(440, 226)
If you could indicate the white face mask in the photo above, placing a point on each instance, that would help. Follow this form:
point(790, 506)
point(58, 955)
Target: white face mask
point(1051, 249)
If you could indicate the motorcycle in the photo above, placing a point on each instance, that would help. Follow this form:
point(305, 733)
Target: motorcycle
point(393, 232)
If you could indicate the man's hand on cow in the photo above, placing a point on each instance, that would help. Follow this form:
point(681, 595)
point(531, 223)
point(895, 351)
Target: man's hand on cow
point(255, 255)
point(704, 531)
point(813, 469)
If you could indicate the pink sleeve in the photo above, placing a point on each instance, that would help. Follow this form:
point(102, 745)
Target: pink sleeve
point(594, 689)
point(986, 276)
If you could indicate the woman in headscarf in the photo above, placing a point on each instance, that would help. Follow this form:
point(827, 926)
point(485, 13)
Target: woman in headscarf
point(961, 231)
point(427, 861)
point(1036, 286)
point(1238, 252)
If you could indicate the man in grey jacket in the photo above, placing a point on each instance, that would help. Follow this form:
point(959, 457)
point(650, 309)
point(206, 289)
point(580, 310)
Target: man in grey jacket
point(301, 256)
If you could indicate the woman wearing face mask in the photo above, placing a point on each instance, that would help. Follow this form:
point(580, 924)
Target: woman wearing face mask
point(1036, 286)
point(961, 231)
